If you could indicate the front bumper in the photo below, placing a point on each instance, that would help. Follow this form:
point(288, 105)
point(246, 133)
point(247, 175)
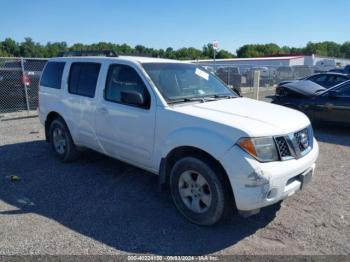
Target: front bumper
point(257, 185)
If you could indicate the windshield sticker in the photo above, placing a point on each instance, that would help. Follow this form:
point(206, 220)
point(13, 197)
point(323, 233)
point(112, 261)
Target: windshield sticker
point(202, 74)
point(201, 92)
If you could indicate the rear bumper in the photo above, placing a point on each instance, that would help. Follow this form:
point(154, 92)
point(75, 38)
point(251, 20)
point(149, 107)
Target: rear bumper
point(257, 185)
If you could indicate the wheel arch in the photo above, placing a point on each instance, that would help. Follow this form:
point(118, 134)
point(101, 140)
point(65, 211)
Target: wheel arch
point(49, 118)
point(177, 153)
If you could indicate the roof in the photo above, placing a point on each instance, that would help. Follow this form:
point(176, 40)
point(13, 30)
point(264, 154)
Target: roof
point(138, 59)
point(333, 73)
point(252, 59)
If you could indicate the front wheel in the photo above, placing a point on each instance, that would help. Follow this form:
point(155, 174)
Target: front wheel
point(198, 191)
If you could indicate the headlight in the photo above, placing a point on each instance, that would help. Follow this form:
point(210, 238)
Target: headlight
point(262, 148)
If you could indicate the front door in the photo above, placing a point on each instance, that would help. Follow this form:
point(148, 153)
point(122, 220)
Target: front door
point(126, 131)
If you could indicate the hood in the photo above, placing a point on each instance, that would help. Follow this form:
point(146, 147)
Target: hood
point(287, 82)
point(252, 117)
point(304, 87)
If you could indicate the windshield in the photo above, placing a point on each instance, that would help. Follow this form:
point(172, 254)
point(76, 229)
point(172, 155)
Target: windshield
point(179, 81)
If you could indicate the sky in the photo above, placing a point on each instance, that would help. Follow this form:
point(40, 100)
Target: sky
point(176, 23)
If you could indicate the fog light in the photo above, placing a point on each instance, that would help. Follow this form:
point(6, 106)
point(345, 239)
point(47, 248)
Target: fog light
point(256, 180)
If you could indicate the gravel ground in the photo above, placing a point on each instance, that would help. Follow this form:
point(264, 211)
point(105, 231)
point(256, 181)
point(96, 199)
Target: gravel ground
point(97, 205)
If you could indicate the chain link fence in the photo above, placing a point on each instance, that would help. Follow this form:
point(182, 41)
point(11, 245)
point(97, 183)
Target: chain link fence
point(19, 81)
point(245, 79)
point(19, 84)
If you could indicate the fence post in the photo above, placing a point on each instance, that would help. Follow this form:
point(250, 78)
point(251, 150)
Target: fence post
point(256, 84)
point(25, 85)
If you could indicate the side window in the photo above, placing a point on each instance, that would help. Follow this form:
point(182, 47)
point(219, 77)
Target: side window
point(340, 79)
point(321, 79)
point(344, 90)
point(52, 75)
point(311, 78)
point(124, 78)
point(83, 78)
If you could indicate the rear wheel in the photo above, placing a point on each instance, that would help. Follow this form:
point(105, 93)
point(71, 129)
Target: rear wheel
point(198, 191)
point(61, 141)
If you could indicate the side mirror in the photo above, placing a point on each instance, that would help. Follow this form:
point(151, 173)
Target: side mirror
point(133, 98)
point(333, 94)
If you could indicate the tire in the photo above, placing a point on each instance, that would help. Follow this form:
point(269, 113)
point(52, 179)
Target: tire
point(204, 204)
point(61, 141)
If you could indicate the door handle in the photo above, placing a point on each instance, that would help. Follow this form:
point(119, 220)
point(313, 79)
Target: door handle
point(102, 110)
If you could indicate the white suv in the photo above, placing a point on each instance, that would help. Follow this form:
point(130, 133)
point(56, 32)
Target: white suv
point(217, 151)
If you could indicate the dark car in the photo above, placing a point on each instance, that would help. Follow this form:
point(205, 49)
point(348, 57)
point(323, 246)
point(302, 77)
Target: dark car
point(325, 80)
point(327, 105)
point(231, 76)
point(343, 70)
point(13, 80)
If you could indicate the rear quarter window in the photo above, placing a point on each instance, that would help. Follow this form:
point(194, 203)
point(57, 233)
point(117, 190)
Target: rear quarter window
point(83, 78)
point(52, 75)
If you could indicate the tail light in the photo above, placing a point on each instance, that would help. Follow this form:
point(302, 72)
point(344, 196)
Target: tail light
point(26, 80)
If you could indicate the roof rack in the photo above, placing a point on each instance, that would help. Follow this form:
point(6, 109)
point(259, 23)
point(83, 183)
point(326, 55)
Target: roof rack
point(108, 53)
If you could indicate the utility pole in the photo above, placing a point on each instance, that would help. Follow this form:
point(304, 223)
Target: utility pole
point(214, 51)
point(215, 47)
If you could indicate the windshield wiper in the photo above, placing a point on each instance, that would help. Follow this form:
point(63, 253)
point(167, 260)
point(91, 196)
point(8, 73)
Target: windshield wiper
point(224, 96)
point(201, 99)
point(184, 100)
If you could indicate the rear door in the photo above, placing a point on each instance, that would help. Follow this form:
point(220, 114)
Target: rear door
point(82, 81)
point(126, 131)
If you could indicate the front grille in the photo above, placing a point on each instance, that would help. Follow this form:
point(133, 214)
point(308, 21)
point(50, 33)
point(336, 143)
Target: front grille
point(295, 145)
point(282, 147)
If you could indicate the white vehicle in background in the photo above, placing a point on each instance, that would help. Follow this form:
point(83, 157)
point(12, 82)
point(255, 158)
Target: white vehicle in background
point(325, 65)
point(217, 151)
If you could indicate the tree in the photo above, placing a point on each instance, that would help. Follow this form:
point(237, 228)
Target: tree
point(208, 51)
point(224, 54)
point(169, 53)
point(258, 50)
point(77, 47)
point(10, 46)
point(345, 50)
point(326, 48)
point(29, 48)
point(3, 53)
point(55, 49)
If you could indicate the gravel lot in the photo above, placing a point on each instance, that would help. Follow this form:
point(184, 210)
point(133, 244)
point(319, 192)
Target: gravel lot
point(98, 205)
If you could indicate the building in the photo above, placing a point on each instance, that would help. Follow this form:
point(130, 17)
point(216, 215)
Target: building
point(317, 62)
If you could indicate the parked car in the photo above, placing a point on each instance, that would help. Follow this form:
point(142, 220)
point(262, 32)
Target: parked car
point(325, 80)
point(231, 76)
point(266, 75)
point(218, 152)
point(284, 73)
point(11, 87)
point(302, 71)
point(13, 80)
point(344, 70)
point(324, 65)
point(320, 105)
point(264, 72)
